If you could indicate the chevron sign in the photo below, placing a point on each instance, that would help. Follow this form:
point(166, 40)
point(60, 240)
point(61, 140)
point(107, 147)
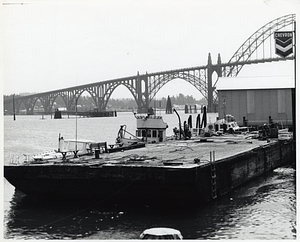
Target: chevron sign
point(283, 43)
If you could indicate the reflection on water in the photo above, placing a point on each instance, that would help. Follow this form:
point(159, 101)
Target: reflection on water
point(265, 208)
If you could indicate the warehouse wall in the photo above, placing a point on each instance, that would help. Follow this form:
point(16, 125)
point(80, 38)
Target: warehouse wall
point(256, 105)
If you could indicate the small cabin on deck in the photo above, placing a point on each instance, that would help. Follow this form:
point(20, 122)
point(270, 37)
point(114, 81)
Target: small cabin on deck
point(151, 128)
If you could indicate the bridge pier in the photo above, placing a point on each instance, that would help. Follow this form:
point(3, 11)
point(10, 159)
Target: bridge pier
point(211, 101)
point(210, 71)
point(142, 93)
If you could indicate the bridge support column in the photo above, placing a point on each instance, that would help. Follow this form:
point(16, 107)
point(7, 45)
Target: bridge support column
point(142, 93)
point(29, 111)
point(219, 67)
point(46, 105)
point(100, 104)
point(210, 99)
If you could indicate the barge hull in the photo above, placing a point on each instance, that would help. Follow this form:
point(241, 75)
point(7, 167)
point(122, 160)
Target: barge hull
point(107, 182)
point(146, 183)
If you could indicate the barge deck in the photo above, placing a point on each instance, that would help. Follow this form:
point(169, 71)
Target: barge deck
point(200, 169)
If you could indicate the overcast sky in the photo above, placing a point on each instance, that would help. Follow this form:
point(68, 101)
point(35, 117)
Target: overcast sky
point(48, 45)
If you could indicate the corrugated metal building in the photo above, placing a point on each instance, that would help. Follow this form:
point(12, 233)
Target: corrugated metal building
point(256, 99)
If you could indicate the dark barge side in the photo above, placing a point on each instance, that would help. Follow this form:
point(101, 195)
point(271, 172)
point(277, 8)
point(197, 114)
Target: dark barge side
point(173, 171)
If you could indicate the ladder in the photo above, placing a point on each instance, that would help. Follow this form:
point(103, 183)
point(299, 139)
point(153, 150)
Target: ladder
point(213, 175)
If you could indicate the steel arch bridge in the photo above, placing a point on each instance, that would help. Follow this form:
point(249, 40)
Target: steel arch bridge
point(144, 87)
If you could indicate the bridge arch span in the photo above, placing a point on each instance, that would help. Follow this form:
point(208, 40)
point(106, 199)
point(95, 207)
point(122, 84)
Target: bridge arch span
point(250, 46)
point(113, 87)
point(54, 99)
point(65, 97)
point(18, 105)
point(187, 78)
point(80, 92)
point(194, 77)
point(29, 104)
point(78, 96)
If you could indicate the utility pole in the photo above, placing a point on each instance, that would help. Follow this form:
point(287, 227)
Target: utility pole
point(14, 111)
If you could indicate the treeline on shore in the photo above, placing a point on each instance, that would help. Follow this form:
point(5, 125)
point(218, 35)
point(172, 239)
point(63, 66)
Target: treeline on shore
point(180, 99)
point(86, 103)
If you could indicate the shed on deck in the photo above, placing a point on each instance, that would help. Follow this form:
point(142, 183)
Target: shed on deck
point(256, 100)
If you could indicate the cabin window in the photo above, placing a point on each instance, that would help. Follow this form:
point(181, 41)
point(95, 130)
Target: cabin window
point(138, 133)
point(149, 133)
point(143, 133)
point(154, 133)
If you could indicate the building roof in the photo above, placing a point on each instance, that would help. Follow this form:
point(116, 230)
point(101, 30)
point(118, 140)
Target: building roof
point(254, 82)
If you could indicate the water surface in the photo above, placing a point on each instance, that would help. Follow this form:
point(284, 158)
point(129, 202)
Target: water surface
point(264, 208)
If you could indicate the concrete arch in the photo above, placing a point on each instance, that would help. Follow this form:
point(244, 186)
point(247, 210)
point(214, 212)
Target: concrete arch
point(53, 99)
point(113, 87)
point(29, 104)
point(73, 98)
point(18, 104)
point(189, 77)
point(33, 103)
point(88, 91)
point(246, 50)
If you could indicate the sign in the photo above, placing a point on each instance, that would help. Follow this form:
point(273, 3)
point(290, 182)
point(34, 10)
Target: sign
point(283, 43)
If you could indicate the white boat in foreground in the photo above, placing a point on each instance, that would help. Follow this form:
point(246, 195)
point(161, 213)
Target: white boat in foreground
point(161, 233)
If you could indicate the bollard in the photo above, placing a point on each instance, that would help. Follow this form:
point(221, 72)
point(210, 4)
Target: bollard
point(97, 154)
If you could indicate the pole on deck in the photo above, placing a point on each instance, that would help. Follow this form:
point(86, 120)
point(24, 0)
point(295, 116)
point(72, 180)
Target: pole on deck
point(14, 111)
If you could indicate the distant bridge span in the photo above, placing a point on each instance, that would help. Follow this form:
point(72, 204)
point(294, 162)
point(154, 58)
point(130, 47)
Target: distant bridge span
point(144, 87)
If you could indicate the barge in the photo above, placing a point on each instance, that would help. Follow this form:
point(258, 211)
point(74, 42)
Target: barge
point(191, 170)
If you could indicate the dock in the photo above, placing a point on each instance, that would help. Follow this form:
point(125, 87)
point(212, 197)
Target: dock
point(92, 113)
